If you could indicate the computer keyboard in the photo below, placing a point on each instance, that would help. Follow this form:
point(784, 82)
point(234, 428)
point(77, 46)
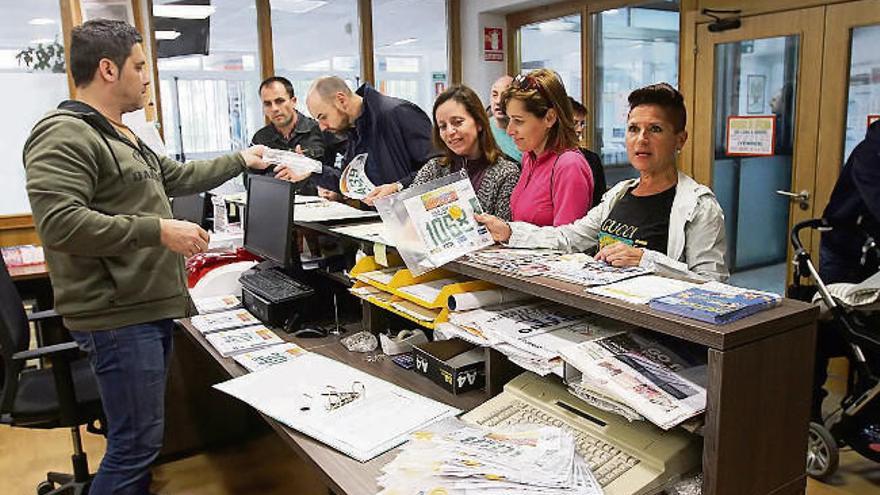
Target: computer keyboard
point(606, 461)
point(626, 458)
point(274, 285)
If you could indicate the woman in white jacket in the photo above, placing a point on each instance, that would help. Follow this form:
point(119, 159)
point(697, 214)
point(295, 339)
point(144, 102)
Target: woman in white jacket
point(663, 220)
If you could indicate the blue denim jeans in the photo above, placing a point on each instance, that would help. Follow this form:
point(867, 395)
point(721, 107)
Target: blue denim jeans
point(131, 364)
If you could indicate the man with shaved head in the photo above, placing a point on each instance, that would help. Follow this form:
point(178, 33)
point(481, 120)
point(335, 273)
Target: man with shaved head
point(395, 134)
point(499, 120)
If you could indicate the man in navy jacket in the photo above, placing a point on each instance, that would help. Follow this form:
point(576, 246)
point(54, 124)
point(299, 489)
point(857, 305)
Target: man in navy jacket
point(395, 134)
point(856, 194)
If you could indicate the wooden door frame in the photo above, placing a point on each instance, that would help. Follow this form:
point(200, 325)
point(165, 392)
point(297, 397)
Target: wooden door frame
point(840, 20)
point(809, 24)
point(586, 9)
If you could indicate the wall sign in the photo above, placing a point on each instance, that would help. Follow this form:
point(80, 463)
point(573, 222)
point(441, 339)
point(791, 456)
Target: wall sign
point(751, 135)
point(493, 44)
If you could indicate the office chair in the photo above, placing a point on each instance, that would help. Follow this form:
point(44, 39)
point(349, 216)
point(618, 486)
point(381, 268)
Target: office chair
point(63, 396)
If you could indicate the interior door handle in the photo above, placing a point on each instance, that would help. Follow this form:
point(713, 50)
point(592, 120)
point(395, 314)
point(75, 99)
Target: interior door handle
point(802, 198)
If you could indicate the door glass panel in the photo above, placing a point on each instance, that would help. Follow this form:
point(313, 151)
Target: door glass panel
point(409, 38)
point(555, 45)
point(755, 77)
point(864, 85)
point(634, 46)
point(209, 72)
point(330, 31)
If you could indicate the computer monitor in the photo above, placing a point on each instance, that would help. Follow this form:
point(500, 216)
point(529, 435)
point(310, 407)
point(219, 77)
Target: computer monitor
point(192, 208)
point(268, 228)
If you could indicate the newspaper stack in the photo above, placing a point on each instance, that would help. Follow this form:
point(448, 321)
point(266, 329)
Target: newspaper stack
point(576, 268)
point(531, 335)
point(216, 304)
point(525, 262)
point(661, 378)
point(583, 269)
point(454, 458)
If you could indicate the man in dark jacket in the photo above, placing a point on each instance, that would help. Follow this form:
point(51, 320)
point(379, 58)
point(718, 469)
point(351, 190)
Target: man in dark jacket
point(395, 134)
point(289, 129)
point(99, 197)
point(856, 195)
point(856, 198)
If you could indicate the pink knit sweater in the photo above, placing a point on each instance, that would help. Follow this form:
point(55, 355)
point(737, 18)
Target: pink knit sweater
point(534, 202)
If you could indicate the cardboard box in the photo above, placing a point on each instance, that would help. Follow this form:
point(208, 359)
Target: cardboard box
point(454, 364)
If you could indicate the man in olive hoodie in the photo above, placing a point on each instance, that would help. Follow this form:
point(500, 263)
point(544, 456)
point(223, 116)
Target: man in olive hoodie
point(99, 198)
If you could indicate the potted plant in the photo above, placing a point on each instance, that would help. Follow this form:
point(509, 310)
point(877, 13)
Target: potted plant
point(48, 56)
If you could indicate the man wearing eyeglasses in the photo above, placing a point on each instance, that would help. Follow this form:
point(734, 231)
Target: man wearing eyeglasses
point(579, 113)
point(499, 120)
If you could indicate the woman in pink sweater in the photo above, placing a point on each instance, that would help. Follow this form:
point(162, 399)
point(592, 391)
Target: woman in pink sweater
point(556, 184)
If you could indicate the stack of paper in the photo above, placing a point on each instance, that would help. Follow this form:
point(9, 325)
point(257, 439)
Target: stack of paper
point(225, 320)
point(661, 378)
point(370, 232)
point(270, 356)
point(582, 269)
point(242, 339)
point(525, 262)
point(716, 303)
point(206, 305)
point(577, 268)
point(418, 312)
point(296, 394)
point(532, 335)
point(642, 289)
point(429, 291)
point(382, 276)
point(454, 458)
point(326, 211)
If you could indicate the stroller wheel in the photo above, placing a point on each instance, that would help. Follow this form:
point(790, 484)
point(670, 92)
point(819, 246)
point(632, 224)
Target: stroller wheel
point(822, 453)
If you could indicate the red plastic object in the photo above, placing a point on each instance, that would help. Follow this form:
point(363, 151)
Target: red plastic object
point(197, 266)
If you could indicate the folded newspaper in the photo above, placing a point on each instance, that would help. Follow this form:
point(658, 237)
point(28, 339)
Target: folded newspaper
point(297, 162)
point(660, 377)
point(354, 183)
point(433, 223)
point(454, 458)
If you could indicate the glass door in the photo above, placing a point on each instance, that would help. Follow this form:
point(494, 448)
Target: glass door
point(851, 81)
point(755, 135)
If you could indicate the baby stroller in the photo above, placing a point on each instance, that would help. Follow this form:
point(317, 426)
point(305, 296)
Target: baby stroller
point(856, 423)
